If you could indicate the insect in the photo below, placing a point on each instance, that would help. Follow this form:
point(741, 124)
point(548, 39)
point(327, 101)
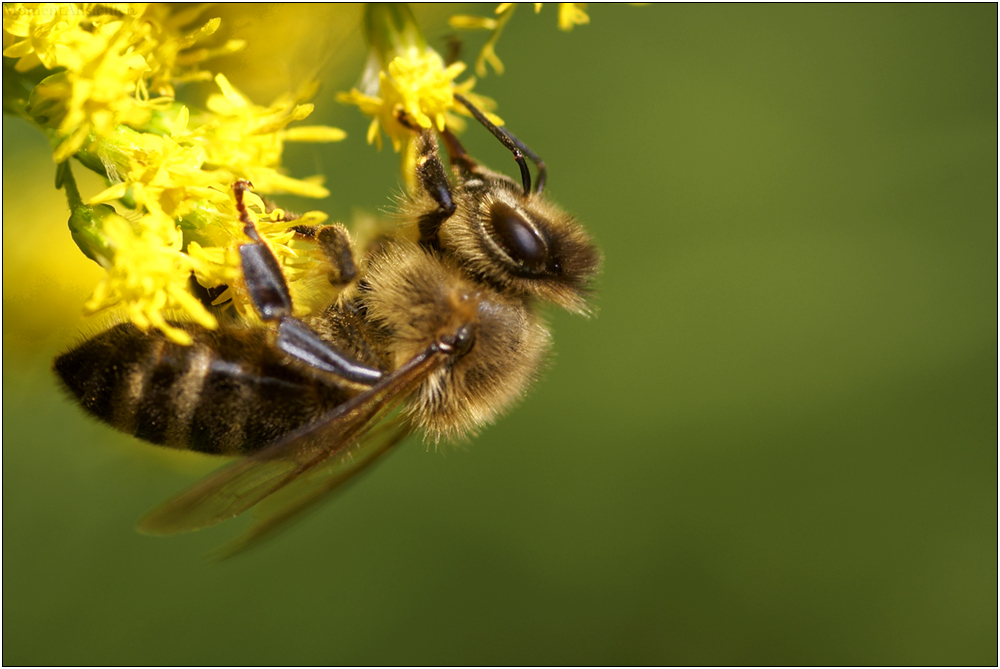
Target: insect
point(435, 330)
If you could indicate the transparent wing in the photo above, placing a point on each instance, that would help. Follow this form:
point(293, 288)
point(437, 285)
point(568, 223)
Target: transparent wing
point(301, 495)
point(235, 488)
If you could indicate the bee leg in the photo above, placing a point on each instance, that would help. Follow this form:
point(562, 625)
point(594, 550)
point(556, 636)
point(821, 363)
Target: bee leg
point(269, 294)
point(302, 343)
point(466, 164)
point(514, 145)
point(336, 245)
point(433, 180)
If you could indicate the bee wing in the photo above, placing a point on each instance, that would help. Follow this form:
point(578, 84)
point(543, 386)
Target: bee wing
point(302, 494)
point(235, 488)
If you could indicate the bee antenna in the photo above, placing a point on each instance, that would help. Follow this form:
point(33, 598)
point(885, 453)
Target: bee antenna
point(513, 144)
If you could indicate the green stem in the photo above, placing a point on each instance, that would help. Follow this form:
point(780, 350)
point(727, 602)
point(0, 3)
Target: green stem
point(489, 49)
point(66, 180)
point(391, 29)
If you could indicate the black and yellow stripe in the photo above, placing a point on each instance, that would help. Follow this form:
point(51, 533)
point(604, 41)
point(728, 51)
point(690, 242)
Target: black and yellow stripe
point(229, 392)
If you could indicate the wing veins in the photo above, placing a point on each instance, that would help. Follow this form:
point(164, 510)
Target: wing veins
point(275, 514)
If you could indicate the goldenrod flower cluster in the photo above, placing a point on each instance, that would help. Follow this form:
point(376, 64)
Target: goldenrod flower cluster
point(109, 60)
point(100, 80)
point(404, 76)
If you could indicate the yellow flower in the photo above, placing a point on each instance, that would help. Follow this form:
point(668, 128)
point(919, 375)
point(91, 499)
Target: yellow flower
point(112, 56)
point(169, 45)
point(170, 178)
point(96, 99)
point(183, 177)
point(488, 53)
point(406, 80)
point(572, 14)
point(149, 276)
point(69, 35)
point(48, 35)
point(249, 140)
point(418, 85)
point(161, 175)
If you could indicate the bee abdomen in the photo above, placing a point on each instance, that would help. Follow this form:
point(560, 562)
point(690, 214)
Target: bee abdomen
point(227, 393)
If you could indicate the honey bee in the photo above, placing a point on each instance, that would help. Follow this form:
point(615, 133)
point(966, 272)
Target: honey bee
point(435, 330)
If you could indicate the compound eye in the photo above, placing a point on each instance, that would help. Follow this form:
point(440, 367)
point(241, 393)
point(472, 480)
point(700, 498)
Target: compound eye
point(518, 238)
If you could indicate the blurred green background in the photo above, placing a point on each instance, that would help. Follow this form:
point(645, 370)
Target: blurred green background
point(775, 444)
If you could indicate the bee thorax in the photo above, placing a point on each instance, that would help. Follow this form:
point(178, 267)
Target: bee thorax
point(497, 342)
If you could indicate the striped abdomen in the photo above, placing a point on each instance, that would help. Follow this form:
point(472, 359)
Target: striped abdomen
point(229, 392)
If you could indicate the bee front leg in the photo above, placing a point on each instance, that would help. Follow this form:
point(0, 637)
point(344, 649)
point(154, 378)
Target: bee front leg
point(457, 155)
point(270, 296)
point(433, 179)
point(336, 245)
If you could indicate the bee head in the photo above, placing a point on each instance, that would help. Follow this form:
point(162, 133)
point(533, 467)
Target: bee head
point(521, 243)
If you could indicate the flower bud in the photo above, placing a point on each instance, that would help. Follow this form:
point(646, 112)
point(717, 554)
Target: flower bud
point(47, 103)
point(86, 224)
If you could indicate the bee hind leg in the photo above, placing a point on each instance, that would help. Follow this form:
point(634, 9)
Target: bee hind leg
point(261, 272)
point(269, 293)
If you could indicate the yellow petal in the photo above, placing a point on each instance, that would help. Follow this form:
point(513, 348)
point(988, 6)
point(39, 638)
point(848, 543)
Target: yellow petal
point(314, 133)
point(113, 193)
point(462, 22)
point(231, 93)
point(180, 123)
point(71, 144)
